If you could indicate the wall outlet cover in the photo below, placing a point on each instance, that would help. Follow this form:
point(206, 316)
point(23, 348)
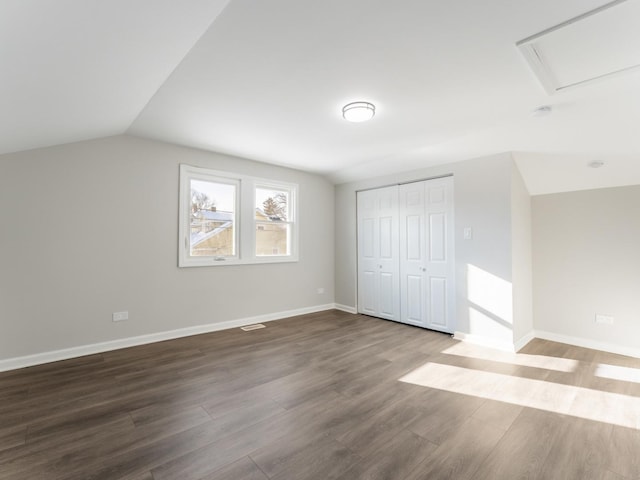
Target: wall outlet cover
point(604, 319)
point(120, 316)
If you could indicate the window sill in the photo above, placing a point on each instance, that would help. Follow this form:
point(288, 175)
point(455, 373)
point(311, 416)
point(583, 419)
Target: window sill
point(212, 262)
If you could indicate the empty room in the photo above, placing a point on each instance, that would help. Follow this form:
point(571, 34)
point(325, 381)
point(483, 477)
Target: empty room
point(309, 240)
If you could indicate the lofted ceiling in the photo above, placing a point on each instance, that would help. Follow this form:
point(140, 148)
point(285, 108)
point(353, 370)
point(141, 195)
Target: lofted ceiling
point(266, 81)
point(79, 69)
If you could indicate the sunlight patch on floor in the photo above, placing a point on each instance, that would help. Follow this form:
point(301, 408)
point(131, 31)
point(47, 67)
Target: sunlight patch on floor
point(615, 372)
point(463, 349)
point(580, 402)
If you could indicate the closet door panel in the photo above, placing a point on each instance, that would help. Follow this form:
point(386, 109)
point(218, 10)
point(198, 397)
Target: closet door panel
point(440, 264)
point(368, 233)
point(412, 253)
point(388, 261)
point(386, 238)
point(378, 281)
point(414, 237)
point(438, 302)
point(367, 253)
point(387, 295)
point(406, 261)
point(367, 290)
point(437, 237)
point(413, 307)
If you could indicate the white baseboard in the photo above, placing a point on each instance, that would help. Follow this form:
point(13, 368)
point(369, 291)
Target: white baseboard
point(588, 343)
point(519, 345)
point(484, 341)
point(554, 337)
point(67, 353)
point(493, 343)
point(345, 308)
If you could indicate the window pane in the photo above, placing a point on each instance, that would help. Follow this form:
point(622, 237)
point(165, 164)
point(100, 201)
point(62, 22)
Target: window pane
point(272, 238)
point(213, 218)
point(272, 205)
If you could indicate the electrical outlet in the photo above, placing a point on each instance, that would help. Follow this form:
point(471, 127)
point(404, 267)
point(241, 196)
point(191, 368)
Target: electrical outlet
point(120, 316)
point(604, 319)
point(320, 290)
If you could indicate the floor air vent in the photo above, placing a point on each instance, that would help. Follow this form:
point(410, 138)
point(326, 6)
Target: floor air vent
point(248, 328)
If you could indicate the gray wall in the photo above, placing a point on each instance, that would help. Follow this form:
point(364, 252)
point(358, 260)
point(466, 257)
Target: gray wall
point(521, 238)
point(91, 228)
point(586, 257)
point(482, 201)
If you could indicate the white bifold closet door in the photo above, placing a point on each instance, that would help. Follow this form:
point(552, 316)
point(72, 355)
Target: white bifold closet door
point(427, 263)
point(378, 268)
point(405, 254)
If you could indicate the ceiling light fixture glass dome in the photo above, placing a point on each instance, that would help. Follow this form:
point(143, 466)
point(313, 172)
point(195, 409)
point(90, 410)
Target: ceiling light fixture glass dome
point(358, 111)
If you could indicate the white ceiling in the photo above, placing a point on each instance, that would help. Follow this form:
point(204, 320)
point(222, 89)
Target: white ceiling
point(266, 81)
point(601, 42)
point(78, 69)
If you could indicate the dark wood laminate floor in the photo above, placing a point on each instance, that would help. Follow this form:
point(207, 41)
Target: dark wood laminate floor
point(324, 396)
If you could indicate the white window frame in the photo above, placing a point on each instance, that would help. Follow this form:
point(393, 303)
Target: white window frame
point(245, 221)
point(291, 221)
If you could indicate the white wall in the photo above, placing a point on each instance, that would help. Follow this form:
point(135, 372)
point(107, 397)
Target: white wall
point(521, 246)
point(482, 201)
point(586, 257)
point(91, 228)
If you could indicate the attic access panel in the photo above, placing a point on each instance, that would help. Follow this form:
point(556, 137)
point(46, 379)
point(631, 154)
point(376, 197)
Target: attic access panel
point(597, 44)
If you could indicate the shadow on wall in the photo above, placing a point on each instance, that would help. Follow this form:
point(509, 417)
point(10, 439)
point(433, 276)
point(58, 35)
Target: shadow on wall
point(490, 304)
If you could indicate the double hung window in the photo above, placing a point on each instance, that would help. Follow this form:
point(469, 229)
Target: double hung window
point(235, 219)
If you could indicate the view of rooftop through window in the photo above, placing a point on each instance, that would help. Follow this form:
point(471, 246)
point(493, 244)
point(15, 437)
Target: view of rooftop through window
point(273, 232)
point(212, 218)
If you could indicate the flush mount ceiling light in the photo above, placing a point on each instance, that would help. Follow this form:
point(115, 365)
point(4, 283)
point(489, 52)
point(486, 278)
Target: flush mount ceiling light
point(358, 111)
point(595, 164)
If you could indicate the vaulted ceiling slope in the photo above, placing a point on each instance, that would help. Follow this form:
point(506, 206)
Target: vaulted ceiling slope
point(266, 81)
point(78, 69)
